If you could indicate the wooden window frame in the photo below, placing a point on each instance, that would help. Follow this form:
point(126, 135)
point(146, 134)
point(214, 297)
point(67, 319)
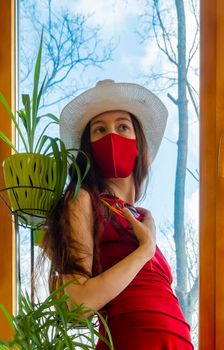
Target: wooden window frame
point(211, 298)
point(7, 235)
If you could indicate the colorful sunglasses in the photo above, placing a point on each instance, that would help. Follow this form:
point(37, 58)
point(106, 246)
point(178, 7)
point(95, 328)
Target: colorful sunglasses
point(115, 204)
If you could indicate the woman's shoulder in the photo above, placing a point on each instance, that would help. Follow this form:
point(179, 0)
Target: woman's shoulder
point(80, 213)
point(82, 202)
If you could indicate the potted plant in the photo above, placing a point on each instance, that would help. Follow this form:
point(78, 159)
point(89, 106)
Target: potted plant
point(51, 325)
point(35, 179)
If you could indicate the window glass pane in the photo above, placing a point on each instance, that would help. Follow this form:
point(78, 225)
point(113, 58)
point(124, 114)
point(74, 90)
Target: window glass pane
point(133, 41)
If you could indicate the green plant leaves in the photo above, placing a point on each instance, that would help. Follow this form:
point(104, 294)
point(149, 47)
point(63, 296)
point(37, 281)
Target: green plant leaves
point(50, 116)
point(28, 115)
point(36, 82)
point(51, 325)
point(13, 118)
point(7, 141)
point(40, 93)
point(7, 316)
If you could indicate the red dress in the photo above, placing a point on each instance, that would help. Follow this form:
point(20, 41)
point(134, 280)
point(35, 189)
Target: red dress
point(146, 315)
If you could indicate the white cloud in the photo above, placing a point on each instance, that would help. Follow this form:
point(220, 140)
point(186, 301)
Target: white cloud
point(111, 14)
point(150, 59)
point(193, 129)
point(192, 207)
point(175, 131)
point(193, 144)
point(193, 136)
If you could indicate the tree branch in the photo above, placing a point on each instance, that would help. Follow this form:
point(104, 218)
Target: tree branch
point(193, 294)
point(166, 37)
point(172, 99)
point(192, 174)
point(193, 100)
point(69, 43)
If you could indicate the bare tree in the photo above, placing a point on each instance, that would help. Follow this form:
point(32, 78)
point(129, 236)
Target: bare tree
point(70, 46)
point(158, 24)
point(192, 250)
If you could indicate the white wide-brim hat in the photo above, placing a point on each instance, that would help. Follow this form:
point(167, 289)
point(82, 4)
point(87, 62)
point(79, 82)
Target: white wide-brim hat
point(110, 96)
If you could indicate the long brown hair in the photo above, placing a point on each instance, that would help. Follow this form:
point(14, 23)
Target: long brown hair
point(58, 242)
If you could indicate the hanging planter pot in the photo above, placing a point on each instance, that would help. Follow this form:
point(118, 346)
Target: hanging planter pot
point(31, 181)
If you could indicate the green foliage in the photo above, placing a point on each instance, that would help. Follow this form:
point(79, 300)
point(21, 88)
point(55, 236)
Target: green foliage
point(51, 325)
point(28, 115)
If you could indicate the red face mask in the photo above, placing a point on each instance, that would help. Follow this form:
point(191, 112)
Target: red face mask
point(115, 155)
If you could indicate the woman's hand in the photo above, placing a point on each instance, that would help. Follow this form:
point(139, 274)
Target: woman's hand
point(144, 230)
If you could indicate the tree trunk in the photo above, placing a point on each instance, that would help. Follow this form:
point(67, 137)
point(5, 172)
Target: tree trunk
point(182, 148)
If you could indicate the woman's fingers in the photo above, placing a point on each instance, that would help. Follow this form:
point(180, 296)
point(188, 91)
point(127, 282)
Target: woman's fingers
point(145, 229)
point(147, 221)
point(143, 211)
point(147, 216)
point(129, 216)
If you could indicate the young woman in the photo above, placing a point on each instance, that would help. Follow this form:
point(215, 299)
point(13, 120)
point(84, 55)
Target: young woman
point(101, 238)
